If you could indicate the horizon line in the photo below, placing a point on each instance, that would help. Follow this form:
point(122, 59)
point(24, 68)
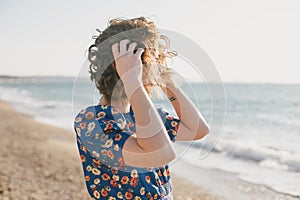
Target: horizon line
point(2, 76)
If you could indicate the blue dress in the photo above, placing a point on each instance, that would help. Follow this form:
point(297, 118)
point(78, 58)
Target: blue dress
point(101, 132)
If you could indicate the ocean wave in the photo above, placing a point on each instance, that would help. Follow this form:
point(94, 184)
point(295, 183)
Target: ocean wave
point(22, 96)
point(267, 173)
point(57, 113)
point(268, 157)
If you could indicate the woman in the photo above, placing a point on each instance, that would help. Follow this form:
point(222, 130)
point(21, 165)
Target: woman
point(124, 142)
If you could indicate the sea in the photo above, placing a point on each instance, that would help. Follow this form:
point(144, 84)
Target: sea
point(255, 127)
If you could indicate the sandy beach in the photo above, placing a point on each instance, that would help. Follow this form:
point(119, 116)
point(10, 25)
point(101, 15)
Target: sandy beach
point(39, 161)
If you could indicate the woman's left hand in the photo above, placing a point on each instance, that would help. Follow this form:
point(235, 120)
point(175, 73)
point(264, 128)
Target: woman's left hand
point(128, 64)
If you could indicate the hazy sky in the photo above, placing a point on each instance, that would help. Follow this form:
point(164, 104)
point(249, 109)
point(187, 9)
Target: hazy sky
point(249, 41)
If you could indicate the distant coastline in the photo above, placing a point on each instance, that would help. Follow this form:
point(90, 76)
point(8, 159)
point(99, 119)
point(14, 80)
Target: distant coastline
point(4, 77)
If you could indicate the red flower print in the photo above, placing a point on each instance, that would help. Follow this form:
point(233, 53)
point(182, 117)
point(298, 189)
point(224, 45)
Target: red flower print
point(78, 131)
point(142, 190)
point(96, 162)
point(108, 143)
point(95, 171)
point(93, 187)
point(104, 107)
point(83, 148)
point(114, 183)
point(97, 181)
point(104, 137)
point(159, 182)
point(89, 115)
point(88, 133)
point(120, 196)
point(149, 195)
point(88, 168)
point(173, 123)
point(108, 127)
point(96, 194)
point(121, 162)
point(105, 177)
point(114, 170)
point(107, 188)
point(173, 132)
point(103, 152)
point(82, 125)
point(101, 115)
point(96, 154)
point(87, 178)
point(120, 159)
point(176, 129)
point(83, 158)
point(148, 179)
point(168, 172)
point(121, 125)
point(110, 154)
point(134, 173)
point(120, 121)
point(104, 193)
point(97, 136)
point(91, 126)
point(114, 110)
point(131, 124)
point(118, 137)
point(124, 180)
point(97, 129)
point(128, 195)
point(165, 172)
point(116, 147)
point(159, 173)
point(134, 182)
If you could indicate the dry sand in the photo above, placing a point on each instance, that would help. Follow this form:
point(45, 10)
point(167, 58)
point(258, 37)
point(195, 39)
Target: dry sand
point(39, 161)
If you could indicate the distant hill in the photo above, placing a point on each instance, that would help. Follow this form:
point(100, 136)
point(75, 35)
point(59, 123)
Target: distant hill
point(6, 76)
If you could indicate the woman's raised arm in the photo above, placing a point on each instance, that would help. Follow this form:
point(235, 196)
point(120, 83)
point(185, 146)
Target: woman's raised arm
point(193, 125)
point(151, 146)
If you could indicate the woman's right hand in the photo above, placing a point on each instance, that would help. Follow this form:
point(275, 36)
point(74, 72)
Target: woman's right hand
point(151, 147)
point(128, 64)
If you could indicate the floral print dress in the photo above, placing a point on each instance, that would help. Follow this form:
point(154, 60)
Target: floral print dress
point(101, 132)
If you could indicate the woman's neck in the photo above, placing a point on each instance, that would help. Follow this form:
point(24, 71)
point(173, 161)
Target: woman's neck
point(124, 108)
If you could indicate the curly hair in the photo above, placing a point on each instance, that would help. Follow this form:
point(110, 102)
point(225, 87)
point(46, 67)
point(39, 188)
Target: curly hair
point(102, 71)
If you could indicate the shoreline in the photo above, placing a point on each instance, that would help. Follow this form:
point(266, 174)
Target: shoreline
point(41, 161)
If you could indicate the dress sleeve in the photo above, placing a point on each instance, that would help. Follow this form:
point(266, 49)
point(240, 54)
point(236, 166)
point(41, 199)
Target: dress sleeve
point(171, 123)
point(102, 137)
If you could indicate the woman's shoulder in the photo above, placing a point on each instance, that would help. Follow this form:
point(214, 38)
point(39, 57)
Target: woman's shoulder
point(111, 113)
point(98, 111)
point(95, 108)
point(105, 116)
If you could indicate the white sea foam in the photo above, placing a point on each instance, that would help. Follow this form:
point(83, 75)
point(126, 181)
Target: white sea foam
point(50, 112)
point(270, 175)
point(265, 156)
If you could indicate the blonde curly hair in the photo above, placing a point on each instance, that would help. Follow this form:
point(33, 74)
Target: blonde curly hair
point(156, 73)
